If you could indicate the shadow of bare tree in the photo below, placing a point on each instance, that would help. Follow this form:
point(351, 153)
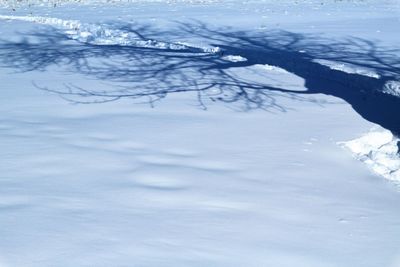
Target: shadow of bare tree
point(152, 73)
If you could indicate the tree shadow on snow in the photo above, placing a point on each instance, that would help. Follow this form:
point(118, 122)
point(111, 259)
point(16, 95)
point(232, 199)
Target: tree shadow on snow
point(153, 72)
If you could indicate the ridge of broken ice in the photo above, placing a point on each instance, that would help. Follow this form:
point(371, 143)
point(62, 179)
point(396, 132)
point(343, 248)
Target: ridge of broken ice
point(379, 150)
point(347, 68)
point(98, 34)
point(392, 88)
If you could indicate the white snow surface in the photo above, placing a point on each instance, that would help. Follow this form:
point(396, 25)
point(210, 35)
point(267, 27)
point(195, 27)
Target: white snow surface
point(380, 151)
point(189, 181)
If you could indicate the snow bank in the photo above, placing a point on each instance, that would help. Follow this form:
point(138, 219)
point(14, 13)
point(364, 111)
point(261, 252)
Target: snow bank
point(348, 68)
point(99, 34)
point(379, 150)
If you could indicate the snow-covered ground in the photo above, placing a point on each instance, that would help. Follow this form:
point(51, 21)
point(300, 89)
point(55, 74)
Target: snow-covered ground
point(200, 133)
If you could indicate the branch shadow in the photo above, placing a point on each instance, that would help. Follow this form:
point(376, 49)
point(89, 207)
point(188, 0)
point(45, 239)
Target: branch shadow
point(151, 73)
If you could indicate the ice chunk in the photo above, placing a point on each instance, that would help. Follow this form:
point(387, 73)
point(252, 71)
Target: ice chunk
point(348, 68)
point(380, 151)
point(100, 34)
point(233, 58)
point(392, 88)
